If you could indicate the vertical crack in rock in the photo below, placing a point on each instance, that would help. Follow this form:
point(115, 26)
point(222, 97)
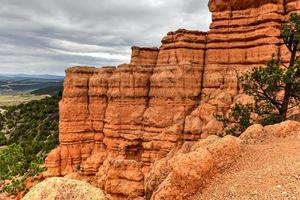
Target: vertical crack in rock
point(199, 97)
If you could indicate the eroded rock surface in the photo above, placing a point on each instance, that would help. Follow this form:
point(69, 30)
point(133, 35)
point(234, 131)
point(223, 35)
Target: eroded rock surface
point(64, 189)
point(258, 134)
point(185, 171)
point(267, 167)
point(128, 117)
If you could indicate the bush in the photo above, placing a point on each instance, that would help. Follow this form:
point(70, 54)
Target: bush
point(15, 186)
point(12, 161)
point(3, 139)
point(238, 120)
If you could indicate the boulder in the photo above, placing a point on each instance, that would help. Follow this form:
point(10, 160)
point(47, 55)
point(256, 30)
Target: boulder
point(254, 134)
point(64, 189)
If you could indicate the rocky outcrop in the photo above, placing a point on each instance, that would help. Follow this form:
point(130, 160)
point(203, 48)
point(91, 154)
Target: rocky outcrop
point(136, 111)
point(186, 170)
point(64, 189)
point(123, 179)
point(258, 134)
point(128, 117)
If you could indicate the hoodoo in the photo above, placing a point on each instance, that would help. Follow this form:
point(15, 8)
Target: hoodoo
point(115, 122)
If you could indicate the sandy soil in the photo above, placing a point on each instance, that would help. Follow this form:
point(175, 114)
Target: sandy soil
point(265, 171)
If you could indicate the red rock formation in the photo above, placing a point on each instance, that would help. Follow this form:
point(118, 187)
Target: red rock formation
point(175, 87)
point(137, 113)
point(121, 178)
point(184, 171)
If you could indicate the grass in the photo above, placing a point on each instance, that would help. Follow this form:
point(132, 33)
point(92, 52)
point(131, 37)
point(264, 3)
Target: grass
point(12, 100)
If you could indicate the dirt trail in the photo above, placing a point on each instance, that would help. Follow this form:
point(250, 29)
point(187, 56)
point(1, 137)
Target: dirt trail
point(265, 171)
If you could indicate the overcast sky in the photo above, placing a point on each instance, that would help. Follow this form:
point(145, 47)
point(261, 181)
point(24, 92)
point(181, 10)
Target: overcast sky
point(46, 36)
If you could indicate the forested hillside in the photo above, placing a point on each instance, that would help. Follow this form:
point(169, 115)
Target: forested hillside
point(28, 132)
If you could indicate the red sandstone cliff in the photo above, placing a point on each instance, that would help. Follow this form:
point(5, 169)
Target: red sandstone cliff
point(124, 119)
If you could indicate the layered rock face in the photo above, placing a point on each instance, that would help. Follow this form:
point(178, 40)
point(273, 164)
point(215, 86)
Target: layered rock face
point(128, 117)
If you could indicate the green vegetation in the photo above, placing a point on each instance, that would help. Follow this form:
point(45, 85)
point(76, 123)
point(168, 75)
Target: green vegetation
point(12, 168)
point(238, 120)
point(12, 100)
point(29, 132)
point(12, 160)
point(51, 90)
point(275, 87)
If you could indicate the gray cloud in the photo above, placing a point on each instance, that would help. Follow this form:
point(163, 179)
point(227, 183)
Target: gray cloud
point(48, 36)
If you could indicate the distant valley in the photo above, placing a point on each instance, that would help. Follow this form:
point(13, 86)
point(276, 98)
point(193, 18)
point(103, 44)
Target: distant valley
point(21, 88)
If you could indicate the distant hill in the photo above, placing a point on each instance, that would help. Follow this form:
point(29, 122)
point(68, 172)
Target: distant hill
point(51, 90)
point(34, 84)
point(29, 76)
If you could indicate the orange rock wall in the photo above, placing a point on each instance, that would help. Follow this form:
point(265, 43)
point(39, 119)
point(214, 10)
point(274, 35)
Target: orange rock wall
point(165, 96)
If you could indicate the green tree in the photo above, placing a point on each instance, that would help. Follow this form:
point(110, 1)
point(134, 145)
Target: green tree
point(275, 87)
